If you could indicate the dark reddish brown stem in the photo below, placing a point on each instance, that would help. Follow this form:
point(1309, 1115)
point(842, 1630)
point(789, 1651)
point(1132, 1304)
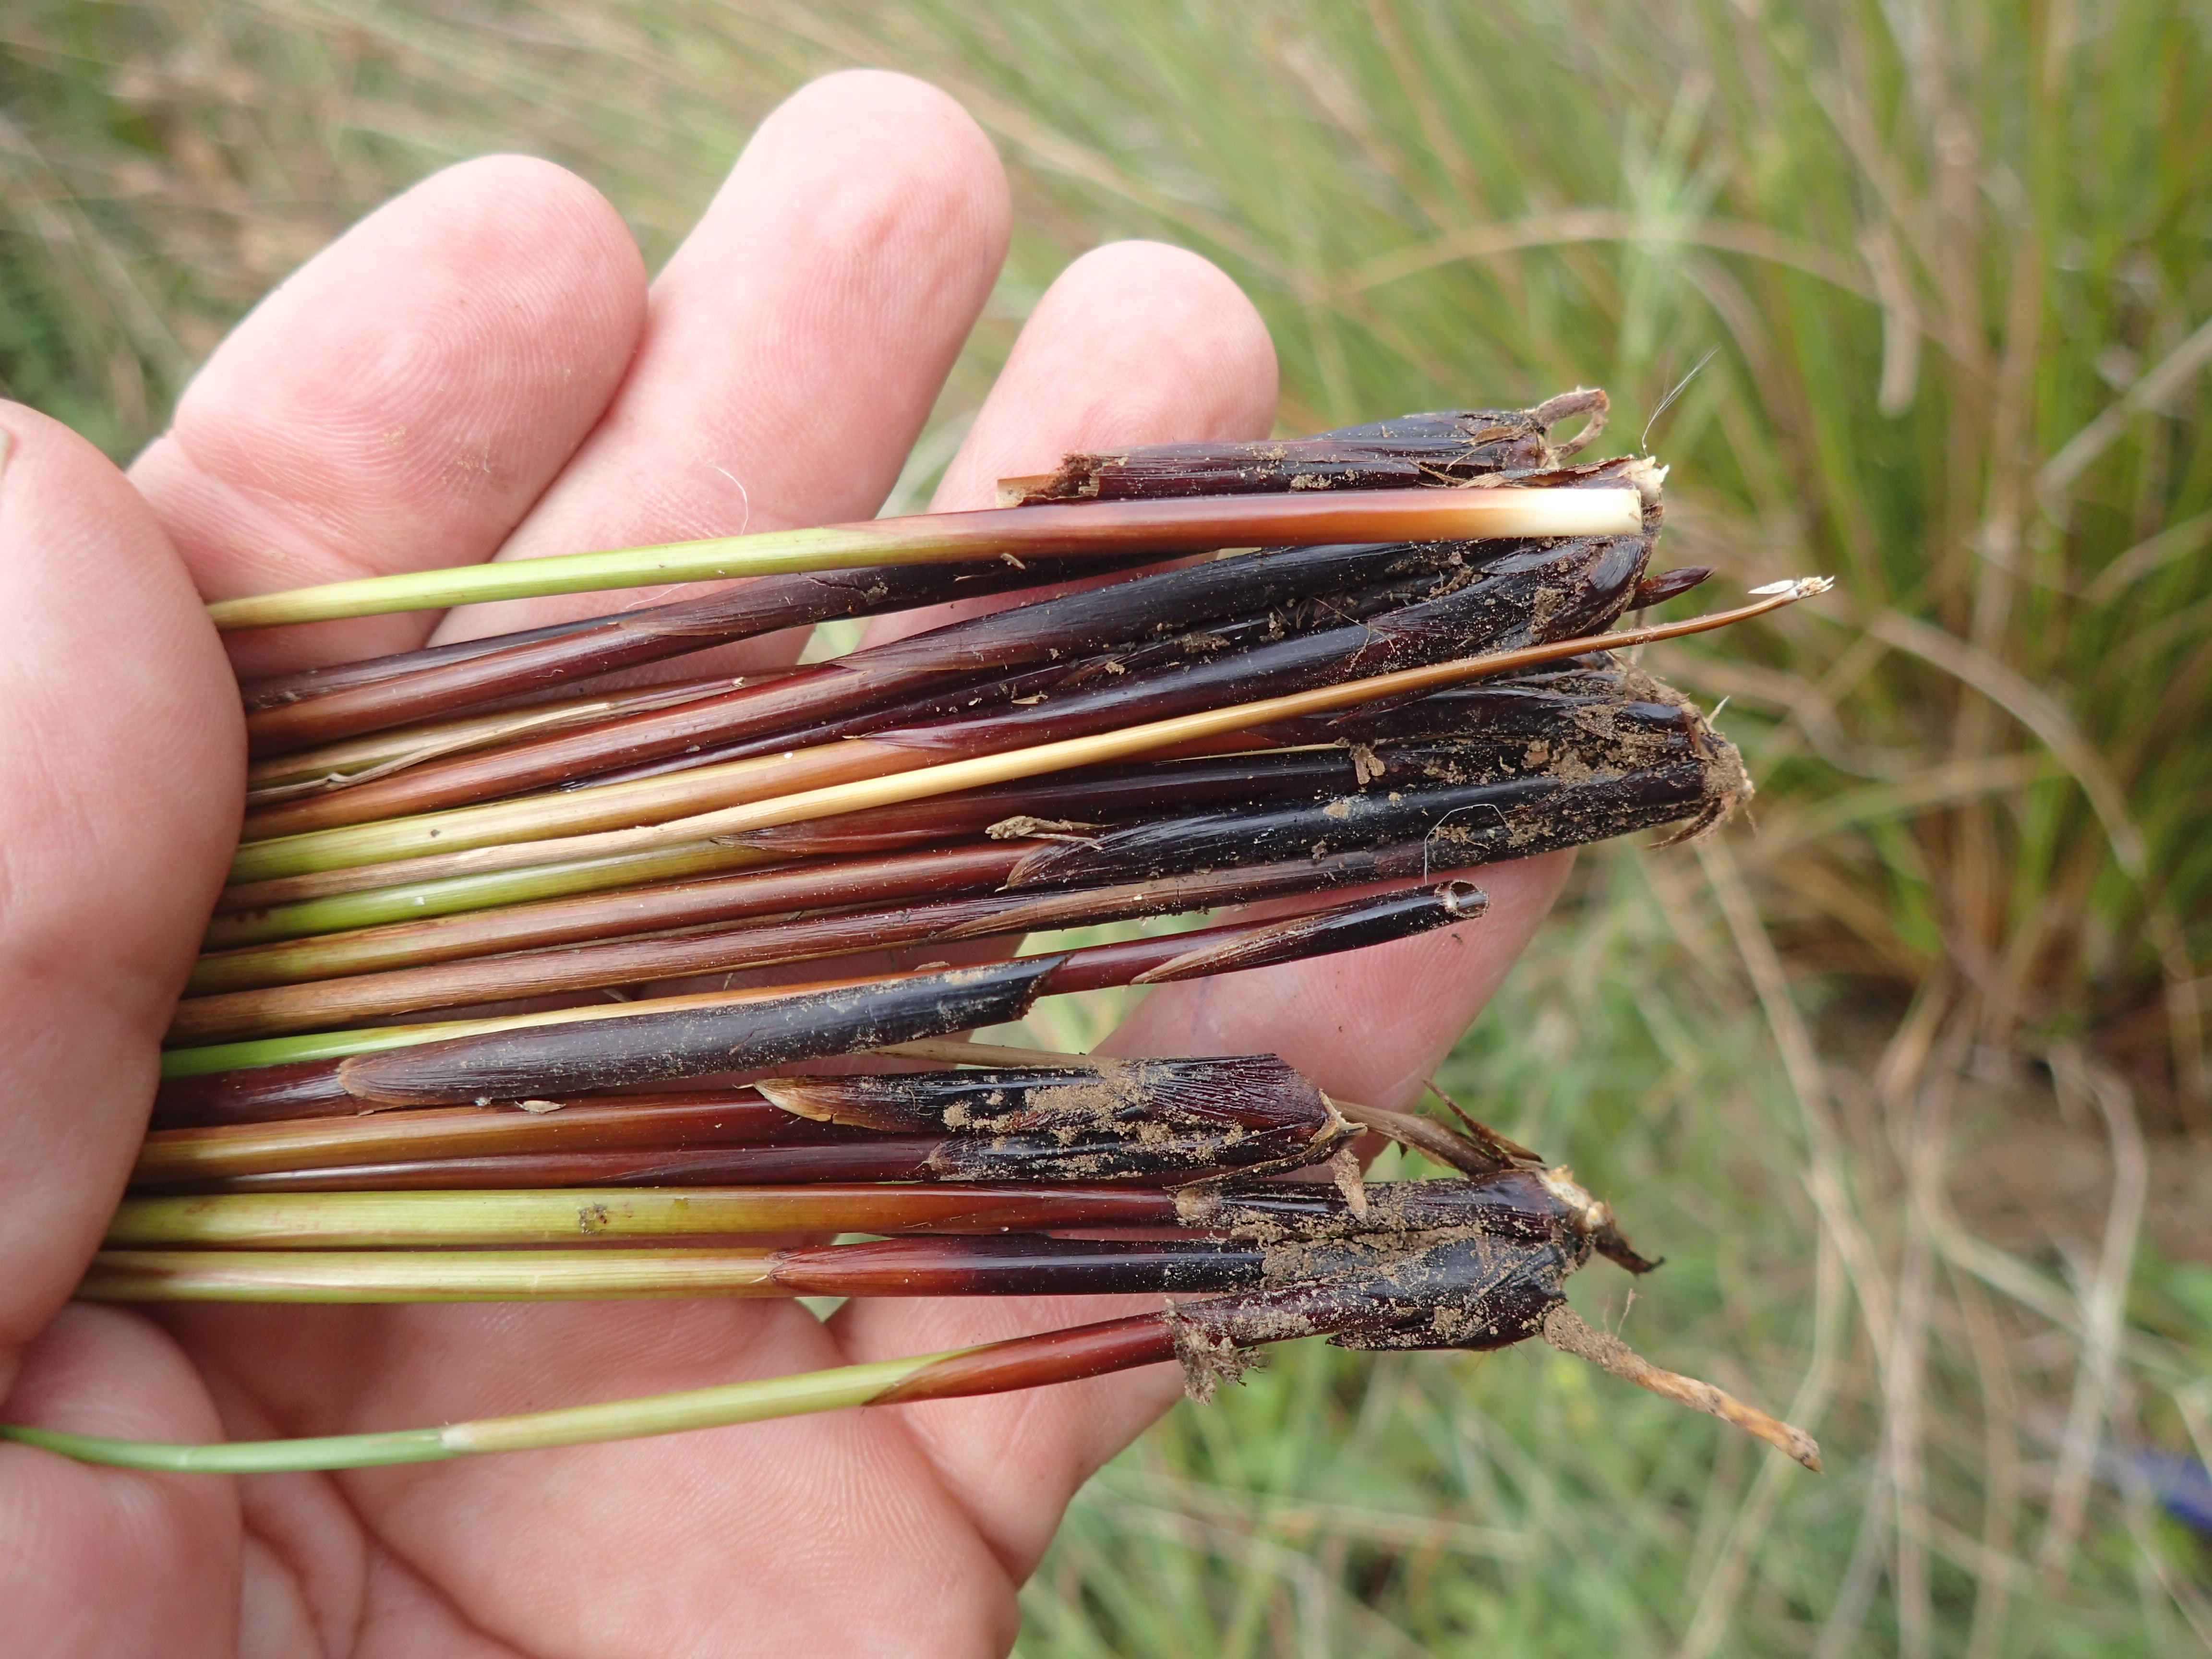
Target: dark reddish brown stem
point(1587, 583)
point(324, 1004)
point(820, 885)
point(696, 1036)
point(296, 711)
point(1082, 799)
point(1136, 1097)
point(1582, 584)
point(1461, 825)
point(1030, 1362)
point(601, 1123)
point(811, 1154)
point(1020, 1265)
point(866, 687)
point(1447, 447)
point(544, 761)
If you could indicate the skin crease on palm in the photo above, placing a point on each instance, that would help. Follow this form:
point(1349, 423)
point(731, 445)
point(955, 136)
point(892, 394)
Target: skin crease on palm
point(479, 370)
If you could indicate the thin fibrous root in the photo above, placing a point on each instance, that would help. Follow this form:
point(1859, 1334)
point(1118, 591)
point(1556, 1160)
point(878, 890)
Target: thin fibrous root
point(1564, 1330)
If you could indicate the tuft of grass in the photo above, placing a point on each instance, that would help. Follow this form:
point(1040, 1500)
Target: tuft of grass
point(1942, 275)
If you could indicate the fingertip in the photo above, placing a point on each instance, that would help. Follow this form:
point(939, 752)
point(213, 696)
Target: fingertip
point(90, 585)
point(111, 1561)
point(1221, 345)
point(498, 242)
point(506, 202)
point(1134, 343)
point(121, 771)
point(508, 194)
point(109, 1371)
point(107, 640)
point(400, 400)
point(798, 339)
point(860, 183)
point(929, 153)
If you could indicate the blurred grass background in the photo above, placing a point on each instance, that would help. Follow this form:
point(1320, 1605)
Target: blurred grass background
point(1907, 1080)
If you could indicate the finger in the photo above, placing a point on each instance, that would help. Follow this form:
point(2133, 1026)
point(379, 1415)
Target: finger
point(121, 765)
point(797, 340)
point(399, 402)
point(1134, 343)
point(112, 1561)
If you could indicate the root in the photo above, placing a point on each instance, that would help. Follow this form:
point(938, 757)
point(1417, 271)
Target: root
point(1563, 1329)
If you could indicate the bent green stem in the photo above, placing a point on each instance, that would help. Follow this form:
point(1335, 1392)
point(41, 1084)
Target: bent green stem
point(989, 1368)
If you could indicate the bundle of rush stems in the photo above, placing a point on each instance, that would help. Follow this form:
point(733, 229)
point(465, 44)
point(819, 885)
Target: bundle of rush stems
point(446, 1040)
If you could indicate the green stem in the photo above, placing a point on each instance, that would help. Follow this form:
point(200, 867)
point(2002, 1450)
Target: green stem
point(419, 901)
point(621, 1419)
point(1103, 527)
point(431, 1275)
point(215, 1057)
point(338, 1451)
point(448, 1220)
point(1021, 1362)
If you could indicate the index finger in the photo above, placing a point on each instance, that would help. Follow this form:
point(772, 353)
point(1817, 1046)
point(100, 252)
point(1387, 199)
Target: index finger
point(400, 401)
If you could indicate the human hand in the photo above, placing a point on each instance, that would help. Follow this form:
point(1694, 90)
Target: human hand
point(478, 371)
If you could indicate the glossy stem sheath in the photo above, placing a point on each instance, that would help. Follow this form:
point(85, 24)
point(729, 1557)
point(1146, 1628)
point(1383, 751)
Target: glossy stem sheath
point(1011, 1265)
point(552, 1053)
point(1023, 532)
point(1456, 825)
point(1588, 579)
point(806, 1112)
point(873, 774)
point(773, 715)
point(298, 906)
point(321, 680)
point(994, 1368)
point(351, 762)
point(321, 705)
point(347, 901)
point(805, 1160)
point(447, 1218)
point(1115, 1121)
point(934, 674)
point(712, 1117)
point(326, 1003)
point(819, 885)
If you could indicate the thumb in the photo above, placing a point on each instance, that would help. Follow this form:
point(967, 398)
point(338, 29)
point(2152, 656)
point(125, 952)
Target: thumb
point(121, 775)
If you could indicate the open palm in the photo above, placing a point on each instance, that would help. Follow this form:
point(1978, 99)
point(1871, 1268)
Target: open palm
point(479, 371)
